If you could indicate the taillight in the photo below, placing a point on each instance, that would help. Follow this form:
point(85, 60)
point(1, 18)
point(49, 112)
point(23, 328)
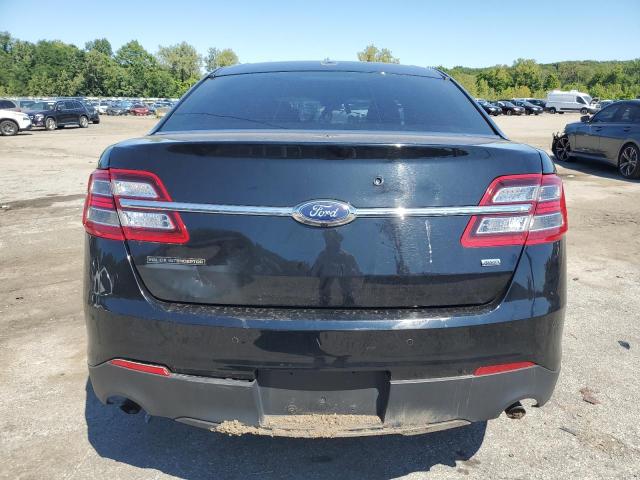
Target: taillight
point(104, 216)
point(546, 220)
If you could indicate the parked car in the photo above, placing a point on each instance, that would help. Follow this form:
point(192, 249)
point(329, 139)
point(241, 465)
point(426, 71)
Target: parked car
point(119, 108)
point(489, 107)
point(102, 106)
point(59, 114)
point(509, 108)
point(605, 103)
point(612, 135)
point(8, 105)
point(25, 104)
point(571, 101)
point(538, 102)
point(234, 275)
point(139, 109)
point(529, 108)
point(12, 122)
point(94, 115)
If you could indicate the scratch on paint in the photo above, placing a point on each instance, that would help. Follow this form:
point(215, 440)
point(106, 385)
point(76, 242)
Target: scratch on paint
point(427, 225)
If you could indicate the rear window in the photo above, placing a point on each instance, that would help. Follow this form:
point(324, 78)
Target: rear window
point(328, 101)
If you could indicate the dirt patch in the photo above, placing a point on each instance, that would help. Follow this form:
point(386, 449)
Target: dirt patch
point(304, 426)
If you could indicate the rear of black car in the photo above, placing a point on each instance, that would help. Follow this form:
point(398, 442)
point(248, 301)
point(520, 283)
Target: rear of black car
point(325, 249)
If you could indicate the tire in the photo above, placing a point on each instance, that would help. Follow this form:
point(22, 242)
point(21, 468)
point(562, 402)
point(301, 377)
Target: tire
point(583, 111)
point(83, 122)
point(552, 110)
point(509, 112)
point(561, 113)
point(562, 149)
point(95, 122)
point(629, 161)
point(50, 124)
point(9, 128)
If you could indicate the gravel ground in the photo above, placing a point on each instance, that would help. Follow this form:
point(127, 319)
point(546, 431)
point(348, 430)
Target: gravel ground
point(52, 426)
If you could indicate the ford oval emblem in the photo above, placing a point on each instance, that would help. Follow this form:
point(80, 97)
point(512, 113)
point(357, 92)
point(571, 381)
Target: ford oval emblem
point(324, 213)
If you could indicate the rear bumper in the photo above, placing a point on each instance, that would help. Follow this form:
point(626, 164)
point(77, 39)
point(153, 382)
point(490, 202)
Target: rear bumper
point(414, 367)
point(262, 407)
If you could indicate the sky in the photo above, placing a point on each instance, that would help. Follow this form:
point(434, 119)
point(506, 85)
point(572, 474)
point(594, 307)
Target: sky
point(426, 33)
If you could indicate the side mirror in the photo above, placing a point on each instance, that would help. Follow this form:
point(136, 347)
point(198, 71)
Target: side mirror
point(585, 118)
point(59, 107)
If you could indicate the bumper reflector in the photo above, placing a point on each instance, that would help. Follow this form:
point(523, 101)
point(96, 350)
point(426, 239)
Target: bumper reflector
point(141, 367)
point(503, 367)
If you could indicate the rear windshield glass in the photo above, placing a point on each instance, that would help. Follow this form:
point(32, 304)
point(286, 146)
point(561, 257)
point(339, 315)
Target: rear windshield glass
point(328, 101)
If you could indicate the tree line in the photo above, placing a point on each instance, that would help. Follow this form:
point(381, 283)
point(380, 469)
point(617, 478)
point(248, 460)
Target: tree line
point(55, 68)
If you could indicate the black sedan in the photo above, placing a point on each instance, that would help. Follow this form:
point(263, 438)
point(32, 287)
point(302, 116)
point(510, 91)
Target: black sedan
point(490, 108)
point(612, 135)
point(509, 108)
point(529, 108)
point(58, 114)
point(324, 249)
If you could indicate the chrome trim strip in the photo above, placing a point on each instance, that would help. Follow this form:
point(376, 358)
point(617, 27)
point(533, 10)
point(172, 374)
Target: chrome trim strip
point(289, 211)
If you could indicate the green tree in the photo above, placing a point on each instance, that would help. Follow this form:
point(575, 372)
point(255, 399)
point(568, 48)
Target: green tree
point(526, 72)
point(142, 75)
point(220, 58)
point(497, 78)
point(551, 82)
point(101, 45)
point(371, 53)
point(182, 61)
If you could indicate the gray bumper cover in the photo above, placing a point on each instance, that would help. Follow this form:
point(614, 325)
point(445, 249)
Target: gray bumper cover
point(404, 406)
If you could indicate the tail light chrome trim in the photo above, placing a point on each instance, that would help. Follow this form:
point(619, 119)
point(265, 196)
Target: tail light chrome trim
point(289, 211)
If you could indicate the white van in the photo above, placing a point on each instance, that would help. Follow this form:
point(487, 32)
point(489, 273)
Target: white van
point(571, 101)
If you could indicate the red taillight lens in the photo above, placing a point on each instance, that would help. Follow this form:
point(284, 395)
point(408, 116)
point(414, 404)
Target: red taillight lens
point(141, 367)
point(104, 216)
point(500, 368)
point(546, 220)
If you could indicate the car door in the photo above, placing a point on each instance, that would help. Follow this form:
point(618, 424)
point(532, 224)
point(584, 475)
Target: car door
point(615, 133)
point(588, 134)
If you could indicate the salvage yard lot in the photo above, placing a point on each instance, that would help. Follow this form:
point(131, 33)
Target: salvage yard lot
point(52, 426)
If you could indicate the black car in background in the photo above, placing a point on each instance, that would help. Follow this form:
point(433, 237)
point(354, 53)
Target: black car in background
point(94, 115)
point(54, 114)
point(488, 107)
point(612, 135)
point(538, 102)
point(296, 242)
point(529, 108)
point(509, 108)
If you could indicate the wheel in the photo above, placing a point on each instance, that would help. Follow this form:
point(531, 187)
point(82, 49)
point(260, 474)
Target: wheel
point(583, 111)
point(552, 110)
point(629, 162)
point(95, 122)
point(562, 149)
point(50, 123)
point(84, 121)
point(527, 112)
point(508, 112)
point(9, 128)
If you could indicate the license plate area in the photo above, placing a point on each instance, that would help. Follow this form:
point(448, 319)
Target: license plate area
point(308, 392)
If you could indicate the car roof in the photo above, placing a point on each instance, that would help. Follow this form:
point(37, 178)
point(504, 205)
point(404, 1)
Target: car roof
point(331, 66)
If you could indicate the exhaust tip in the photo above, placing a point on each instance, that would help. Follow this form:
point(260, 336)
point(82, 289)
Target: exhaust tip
point(515, 411)
point(130, 407)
